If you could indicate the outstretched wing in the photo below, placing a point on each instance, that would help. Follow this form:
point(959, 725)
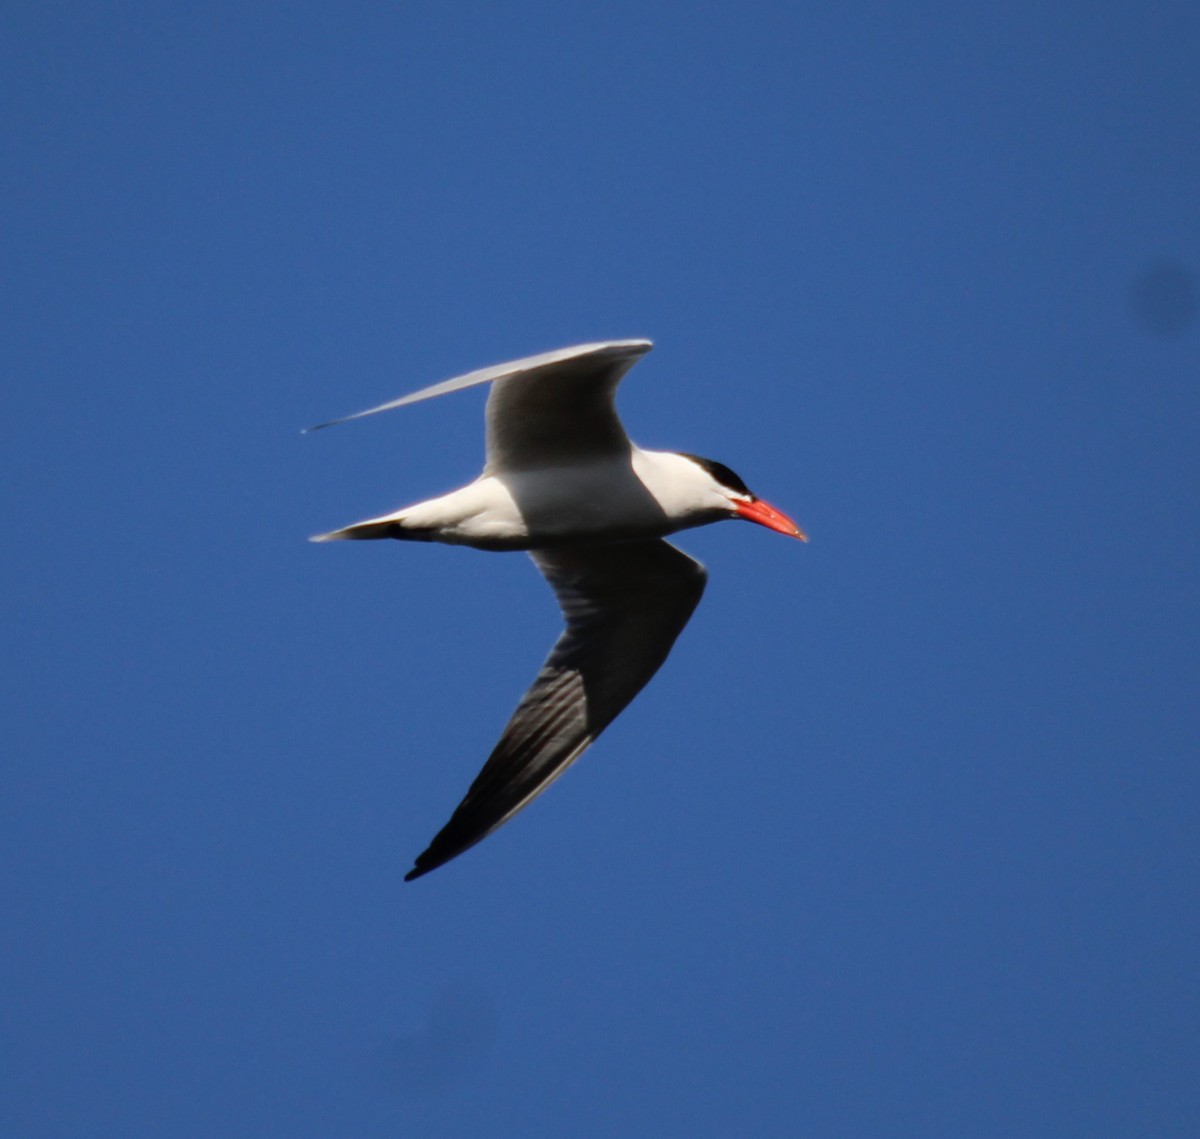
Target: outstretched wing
point(545, 403)
point(624, 606)
point(560, 413)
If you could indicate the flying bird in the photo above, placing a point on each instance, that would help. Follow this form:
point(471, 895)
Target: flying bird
point(563, 481)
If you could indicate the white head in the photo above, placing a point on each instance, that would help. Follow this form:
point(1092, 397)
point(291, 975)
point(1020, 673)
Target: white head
point(741, 502)
point(694, 491)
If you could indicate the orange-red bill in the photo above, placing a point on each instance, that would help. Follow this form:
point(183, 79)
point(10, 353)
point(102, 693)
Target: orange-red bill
point(766, 515)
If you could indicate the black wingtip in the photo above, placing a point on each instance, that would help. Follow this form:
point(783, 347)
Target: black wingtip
point(423, 865)
point(439, 852)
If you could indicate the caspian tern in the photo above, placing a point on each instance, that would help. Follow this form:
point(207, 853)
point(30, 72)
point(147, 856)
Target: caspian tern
point(563, 481)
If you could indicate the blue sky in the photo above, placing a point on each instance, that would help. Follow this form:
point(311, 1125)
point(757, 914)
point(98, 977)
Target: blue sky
point(901, 842)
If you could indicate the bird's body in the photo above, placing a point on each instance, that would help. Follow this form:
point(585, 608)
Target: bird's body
point(617, 498)
point(563, 481)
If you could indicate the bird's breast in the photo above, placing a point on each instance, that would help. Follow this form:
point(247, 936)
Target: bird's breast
point(593, 502)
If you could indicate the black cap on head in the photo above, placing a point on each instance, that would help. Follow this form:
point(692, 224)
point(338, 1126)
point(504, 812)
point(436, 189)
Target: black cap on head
point(721, 473)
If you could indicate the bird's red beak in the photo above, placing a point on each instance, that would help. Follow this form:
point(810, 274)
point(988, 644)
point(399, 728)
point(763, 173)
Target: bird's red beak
point(766, 515)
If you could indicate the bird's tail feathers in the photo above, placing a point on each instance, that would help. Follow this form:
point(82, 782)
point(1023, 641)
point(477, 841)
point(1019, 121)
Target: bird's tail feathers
point(389, 526)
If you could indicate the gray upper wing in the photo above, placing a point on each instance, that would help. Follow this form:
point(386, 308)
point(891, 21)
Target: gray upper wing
point(624, 606)
point(604, 362)
point(560, 413)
